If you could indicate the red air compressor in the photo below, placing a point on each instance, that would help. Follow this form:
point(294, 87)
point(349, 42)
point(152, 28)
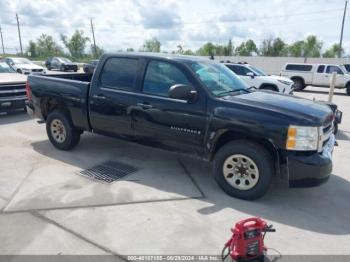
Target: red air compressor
point(247, 241)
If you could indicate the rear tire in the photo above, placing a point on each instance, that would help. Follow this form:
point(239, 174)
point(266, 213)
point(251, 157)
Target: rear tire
point(249, 179)
point(298, 84)
point(61, 131)
point(348, 89)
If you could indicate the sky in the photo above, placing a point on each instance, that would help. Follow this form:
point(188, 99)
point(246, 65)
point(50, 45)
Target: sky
point(191, 23)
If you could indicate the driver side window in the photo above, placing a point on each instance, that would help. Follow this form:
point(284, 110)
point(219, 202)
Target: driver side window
point(160, 76)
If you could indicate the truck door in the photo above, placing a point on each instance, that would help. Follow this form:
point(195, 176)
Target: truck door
point(340, 80)
point(165, 122)
point(320, 77)
point(113, 95)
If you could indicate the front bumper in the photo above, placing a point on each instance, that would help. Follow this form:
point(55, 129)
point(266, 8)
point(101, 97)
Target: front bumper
point(312, 170)
point(11, 105)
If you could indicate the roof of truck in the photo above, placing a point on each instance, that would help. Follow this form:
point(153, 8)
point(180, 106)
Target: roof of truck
point(175, 57)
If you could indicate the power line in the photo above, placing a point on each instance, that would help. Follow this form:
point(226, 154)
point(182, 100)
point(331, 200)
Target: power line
point(342, 30)
point(19, 35)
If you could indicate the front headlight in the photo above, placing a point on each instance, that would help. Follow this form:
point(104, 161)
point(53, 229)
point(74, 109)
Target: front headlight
point(285, 82)
point(302, 138)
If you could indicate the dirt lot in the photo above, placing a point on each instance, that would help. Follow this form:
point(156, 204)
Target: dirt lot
point(171, 205)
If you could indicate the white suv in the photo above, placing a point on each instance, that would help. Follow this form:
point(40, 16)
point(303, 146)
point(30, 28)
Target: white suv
point(316, 75)
point(257, 78)
point(24, 65)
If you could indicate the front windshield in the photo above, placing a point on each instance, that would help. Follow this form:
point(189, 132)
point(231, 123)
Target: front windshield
point(65, 60)
point(218, 79)
point(21, 61)
point(4, 68)
point(257, 71)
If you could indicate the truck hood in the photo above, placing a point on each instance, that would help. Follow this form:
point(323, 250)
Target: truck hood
point(281, 78)
point(28, 66)
point(303, 110)
point(10, 78)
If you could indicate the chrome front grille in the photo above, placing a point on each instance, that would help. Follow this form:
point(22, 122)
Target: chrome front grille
point(10, 91)
point(325, 134)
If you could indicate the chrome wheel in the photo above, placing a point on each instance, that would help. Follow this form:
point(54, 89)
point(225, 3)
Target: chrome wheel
point(58, 131)
point(241, 172)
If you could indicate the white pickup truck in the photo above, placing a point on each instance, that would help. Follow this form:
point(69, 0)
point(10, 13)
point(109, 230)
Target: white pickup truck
point(316, 75)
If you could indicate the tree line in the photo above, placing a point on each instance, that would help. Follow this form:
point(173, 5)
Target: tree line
point(77, 45)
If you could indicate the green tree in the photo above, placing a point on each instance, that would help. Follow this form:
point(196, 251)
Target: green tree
point(188, 52)
point(96, 53)
point(312, 47)
point(273, 47)
point(32, 49)
point(333, 51)
point(76, 44)
point(208, 49)
point(46, 46)
point(151, 45)
point(179, 50)
point(229, 48)
point(296, 49)
point(246, 48)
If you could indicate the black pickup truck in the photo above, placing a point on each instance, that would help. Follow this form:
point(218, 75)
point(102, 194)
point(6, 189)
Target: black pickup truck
point(194, 106)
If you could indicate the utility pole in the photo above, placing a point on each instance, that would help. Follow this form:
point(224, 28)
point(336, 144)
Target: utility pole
point(342, 31)
point(2, 42)
point(19, 35)
point(93, 37)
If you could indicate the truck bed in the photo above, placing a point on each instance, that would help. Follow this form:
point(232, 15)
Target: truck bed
point(72, 90)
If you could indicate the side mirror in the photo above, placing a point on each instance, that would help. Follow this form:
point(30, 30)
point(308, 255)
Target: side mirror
point(251, 74)
point(181, 92)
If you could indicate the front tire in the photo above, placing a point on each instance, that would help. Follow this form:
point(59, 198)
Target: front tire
point(348, 89)
point(243, 169)
point(61, 131)
point(298, 84)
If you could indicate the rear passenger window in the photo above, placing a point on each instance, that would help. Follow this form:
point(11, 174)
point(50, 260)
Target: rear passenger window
point(299, 67)
point(119, 73)
point(331, 69)
point(160, 76)
point(320, 69)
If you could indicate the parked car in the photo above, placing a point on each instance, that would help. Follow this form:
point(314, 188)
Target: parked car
point(254, 76)
point(12, 89)
point(23, 65)
point(89, 68)
point(316, 75)
point(196, 106)
point(61, 63)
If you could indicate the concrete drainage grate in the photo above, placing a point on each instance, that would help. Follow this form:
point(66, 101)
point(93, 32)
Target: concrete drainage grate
point(109, 172)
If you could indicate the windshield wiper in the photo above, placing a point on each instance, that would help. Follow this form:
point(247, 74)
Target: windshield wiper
point(234, 91)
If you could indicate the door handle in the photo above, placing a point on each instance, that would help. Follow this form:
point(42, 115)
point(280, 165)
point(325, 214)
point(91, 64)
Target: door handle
point(145, 105)
point(99, 96)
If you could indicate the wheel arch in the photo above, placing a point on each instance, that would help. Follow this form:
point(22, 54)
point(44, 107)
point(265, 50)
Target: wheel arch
point(230, 136)
point(48, 105)
point(265, 85)
point(299, 78)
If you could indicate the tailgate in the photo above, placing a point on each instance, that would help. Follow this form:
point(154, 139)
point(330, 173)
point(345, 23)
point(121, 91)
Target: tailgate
point(72, 94)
